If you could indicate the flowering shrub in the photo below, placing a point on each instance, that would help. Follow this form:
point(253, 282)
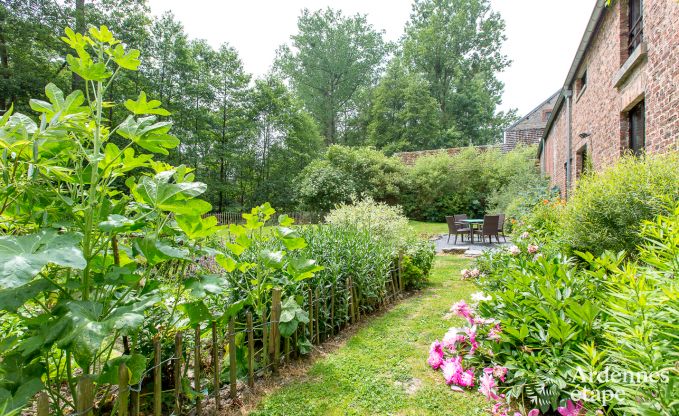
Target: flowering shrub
point(562, 327)
point(465, 362)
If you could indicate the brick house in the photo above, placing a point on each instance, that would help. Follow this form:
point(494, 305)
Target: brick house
point(621, 93)
point(529, 129)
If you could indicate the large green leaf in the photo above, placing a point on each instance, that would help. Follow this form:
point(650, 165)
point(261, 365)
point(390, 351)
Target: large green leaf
point(117, 223)
point(141, 106)
point(87, 332)
point(159, 193)
point(57, 105)
point(272, 259)
point(22, 257)
point(136, 364)
point(156, 251)
point(195, 226)
point(149, 134)
point(202, 285)
point(197, 312)
point(13, 299)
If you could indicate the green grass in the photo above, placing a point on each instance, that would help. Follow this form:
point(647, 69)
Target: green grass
point(421, 227)
point(369, 375)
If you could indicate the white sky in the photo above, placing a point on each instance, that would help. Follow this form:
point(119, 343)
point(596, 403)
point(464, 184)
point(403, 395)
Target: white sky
point(542, 35)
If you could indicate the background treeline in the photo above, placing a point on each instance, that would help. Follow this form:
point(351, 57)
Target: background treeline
point(474, 181)
point(336, 82)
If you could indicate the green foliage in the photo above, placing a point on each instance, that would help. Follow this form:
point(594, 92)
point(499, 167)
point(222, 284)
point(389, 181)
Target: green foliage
point(79, 252)
point(456, 45)
point(417, 263)
point(604, 325)
point(348, 173)
point(467, 182)
point(380, 220)
point(641, 330)
point(403, 116)
point(606, 208)
point(331, 57)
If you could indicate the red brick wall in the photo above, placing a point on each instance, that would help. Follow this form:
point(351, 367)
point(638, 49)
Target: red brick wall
point(409, 158)
point(600, 109)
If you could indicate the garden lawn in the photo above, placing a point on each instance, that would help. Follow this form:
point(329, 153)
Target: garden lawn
point(382, 369)
point(421, 227)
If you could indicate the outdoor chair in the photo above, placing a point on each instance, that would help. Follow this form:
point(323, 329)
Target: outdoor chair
point(456, 228)
point(501, 226)
point(490, 228)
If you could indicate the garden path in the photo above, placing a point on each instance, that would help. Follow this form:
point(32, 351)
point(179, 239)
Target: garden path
point(381, 369)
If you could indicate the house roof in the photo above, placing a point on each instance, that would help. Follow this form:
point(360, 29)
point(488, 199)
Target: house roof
point(533, 111)
point(590, 31)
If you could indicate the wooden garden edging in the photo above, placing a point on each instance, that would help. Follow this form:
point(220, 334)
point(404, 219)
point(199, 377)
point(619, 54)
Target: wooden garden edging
point(320, 304)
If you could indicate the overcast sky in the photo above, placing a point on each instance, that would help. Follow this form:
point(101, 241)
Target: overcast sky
point(542, 35)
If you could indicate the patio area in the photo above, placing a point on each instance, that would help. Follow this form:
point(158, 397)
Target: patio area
point(466, 247)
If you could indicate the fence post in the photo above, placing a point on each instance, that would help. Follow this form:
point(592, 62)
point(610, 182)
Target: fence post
point(123, 390)
point(401, 285)
point(232, 358)
point(157, 391)
point(318, 321)
point(350, 301)
point(251, 352)
point(215, 364)
point(311, 315)
point(85, 396)
point(275, 334)
point(196, 370)
point(332, 309)
point(178, 372)
point(43, 404)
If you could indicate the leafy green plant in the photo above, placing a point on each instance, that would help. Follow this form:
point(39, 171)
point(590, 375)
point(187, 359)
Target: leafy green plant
point(88, 227)
point(607, 208)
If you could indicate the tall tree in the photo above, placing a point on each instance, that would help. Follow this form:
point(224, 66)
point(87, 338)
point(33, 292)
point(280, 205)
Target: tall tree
point(457, 45)
point(403, 115)
point(331, 57)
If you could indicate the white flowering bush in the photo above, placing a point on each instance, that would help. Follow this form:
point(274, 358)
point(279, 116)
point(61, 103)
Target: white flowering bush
point(383, 221)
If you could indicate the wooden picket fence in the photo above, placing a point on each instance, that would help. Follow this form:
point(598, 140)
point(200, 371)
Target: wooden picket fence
point(300, 217)
point(128, 400)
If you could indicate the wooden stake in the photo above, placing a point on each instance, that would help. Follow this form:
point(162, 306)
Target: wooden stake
point(275, 334)
point(350, 301)
point(157, 388)
point(43, 404)
point(317, 299)
point(401, 285)
point(85, 396)
point(311, 315)
point(196, 370)
point(215, 364)
point(251, 352)
point(232, 359)
point(123, 390)
point(178, 372)
point(332, 309)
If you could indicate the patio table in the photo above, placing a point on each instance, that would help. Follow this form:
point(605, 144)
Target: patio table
point(472, 224)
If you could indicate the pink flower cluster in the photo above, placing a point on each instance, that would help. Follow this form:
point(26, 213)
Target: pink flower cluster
point(459, 344)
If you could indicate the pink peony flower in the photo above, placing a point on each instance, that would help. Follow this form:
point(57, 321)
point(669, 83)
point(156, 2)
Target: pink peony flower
point(465, 274)
point(471, 334)
point(532, 249)
point(466, 378)
point(500, 372)
point(514, 250)
point(452, 368)
point(435, 355)
point(571, 409)
point(525, 235)
point(487, 386)
point(462, 309)
point(534, 412)
point(453, 337)
point(474, 273)
point(494, 333)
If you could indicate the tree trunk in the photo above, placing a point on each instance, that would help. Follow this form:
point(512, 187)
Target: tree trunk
point(5, 101)
point(77, 82)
